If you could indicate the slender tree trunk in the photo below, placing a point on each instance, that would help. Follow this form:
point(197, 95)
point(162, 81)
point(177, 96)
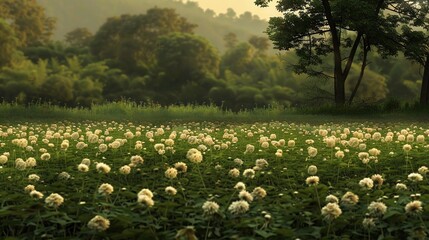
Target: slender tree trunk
point(424, 94)
point(362, 71)
point(339, 88)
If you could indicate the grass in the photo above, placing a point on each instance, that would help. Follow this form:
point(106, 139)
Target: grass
point(128, 111)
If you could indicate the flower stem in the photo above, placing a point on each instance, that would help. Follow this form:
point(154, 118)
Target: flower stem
point(317, 196)
point(201, 176)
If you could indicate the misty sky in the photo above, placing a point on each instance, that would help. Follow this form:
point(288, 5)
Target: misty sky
point(240, 6)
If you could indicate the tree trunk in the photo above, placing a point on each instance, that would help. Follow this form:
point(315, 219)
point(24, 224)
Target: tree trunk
point(424, 94)
point(339, 88)
point(362, 71)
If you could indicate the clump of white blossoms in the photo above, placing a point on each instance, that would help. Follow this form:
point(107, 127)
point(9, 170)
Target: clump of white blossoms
point(415, 177)
point(181, 167)
point(423, 170)
point(136, 160)
point(170, 191)
point(210, 208)
point(249, 173)
point(234, 172)
point(238, 161)
point(377, 209)
point(331, 211)
point(171, 173)
point(20, 164)
point(240, 186)
point(194, 155)
point(245, 195)
point(238, 207)
point(312, 170)
point(259, 193)
point(82, 167)
point(30, 162)
point(102, 168)
point(99, 223)
point(261, 163)
point(249, 149)
point(86, 161)
point(349, 198)
point(3, 159)
point(64, 176)
point(374, 152)
point(36, 194)
point(102, 147)
point(332, 199)
point(105, 189)
point(366, 183)
point(400, 186)
point(160, 148)
point(29, 188)
point(339, 154)
point(377, 179)
point(330, 142)
point(54, 200)
point(45, 156)
point(312, 152)
point(33, 178)
point(81, 145)
point(312, 180)
point(407, 148)
point(368, 223)
point(414, 207)
point(145, 197)
point(364, 157)
point(125, 170)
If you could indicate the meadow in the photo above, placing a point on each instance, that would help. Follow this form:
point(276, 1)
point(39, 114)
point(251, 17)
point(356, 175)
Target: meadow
point(206, 180)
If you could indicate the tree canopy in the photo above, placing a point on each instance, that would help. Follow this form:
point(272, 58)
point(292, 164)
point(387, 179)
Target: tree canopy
point(131, 40)
point(28, 20)
point(318, 28)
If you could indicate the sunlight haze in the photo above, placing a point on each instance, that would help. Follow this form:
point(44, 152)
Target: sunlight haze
point(240, 6)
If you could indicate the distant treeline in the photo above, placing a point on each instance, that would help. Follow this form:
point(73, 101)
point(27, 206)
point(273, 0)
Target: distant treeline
point(156, 57)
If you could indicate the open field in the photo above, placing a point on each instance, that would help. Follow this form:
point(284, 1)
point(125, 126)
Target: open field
point(272, 180)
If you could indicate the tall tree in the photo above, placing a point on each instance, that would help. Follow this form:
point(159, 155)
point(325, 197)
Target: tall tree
point(186, 61)
point(230, 40)
point(349, 23)
point(131, 40)
point(80, 37)
point(28, 20)
point(260, 43)
point(8, 43)
point(416, 42)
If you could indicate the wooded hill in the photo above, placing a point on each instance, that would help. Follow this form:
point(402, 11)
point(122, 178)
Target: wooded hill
point(92, 14)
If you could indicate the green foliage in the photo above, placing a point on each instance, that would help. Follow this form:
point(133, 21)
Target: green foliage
point(28, 20)
point(80, 37)
point(131, 40)
point(349, 24)
point(8, 43)
point(190, 56)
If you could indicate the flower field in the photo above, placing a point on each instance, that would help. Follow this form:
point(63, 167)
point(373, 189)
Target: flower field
point(112, 180)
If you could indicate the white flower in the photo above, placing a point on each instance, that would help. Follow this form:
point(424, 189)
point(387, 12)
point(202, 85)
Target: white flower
point(238, 207)
point(210, 207)
point(99, 223)
point(366, 183)
point(415, 177)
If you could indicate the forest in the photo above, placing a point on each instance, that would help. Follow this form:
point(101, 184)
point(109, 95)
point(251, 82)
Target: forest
point(176, 53)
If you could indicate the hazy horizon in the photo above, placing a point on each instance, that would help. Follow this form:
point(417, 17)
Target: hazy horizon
point(239, 6)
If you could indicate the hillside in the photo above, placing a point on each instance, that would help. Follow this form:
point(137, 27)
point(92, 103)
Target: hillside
point(93, 13)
